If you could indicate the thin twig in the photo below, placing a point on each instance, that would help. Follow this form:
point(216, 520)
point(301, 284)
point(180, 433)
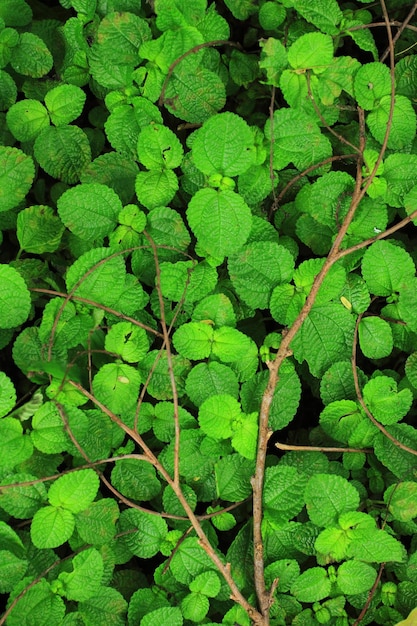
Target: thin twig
point(399, 32)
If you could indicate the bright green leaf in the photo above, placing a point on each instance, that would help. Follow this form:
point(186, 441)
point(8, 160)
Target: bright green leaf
point(375, 337)
point(75, 491)
point(51, 527)
point(14, 298)
point(85, 579)
point(283, 493)
point(312, 585)
point(221, 221)
point(26, 119)
point(39, 230)
point(17, 172)
point(327, 496)
point(65, 103)
point(311, 51)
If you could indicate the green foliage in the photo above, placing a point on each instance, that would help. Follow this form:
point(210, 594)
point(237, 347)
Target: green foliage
point(207, 313)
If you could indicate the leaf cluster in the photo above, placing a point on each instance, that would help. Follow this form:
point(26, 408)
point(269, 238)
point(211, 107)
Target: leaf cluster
point(208, 338)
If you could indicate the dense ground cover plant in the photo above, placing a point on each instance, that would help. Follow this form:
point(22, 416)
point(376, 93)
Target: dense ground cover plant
point(208, 302)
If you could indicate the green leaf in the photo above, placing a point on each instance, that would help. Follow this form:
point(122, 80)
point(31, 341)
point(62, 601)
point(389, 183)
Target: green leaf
point(85, 579)
point(159, 148)
point(178, 13)
point(120, 35)
point(372, 81)
point(386, 268)
point(207, 583)
point(327, 496)
point(15, 12)
point(375, 546)
point(22, 502)
point(363, 37)
point(211, 379)
point(90, 211)
point(130, 342)
point(224, 145)
point(119, 173)
point(273, 59)
point(403, 126)
point(375, 337)
point(122, 130)
point(135, 479)
point(355, 577)
point(65, 103)
point(48, 434)
point(230, 345)
point(189, 561)
point(332, 544)
point(187, 281)
point(37, 605)
point(26, 119)
point(286, 397)
point(286, 571)
point(195, 607)
point(327, 199)
point(257, 268)
point(401, 500)
point(12, 570)
point(194, 340)
point(163, 423)
point(233, 474)
point(96, 277)
point(216, 308)
point(97, 524)
point(245, 435)
point(324, 14)
point(386, 404)
point(311, 51)
point(39, 230)
point(166, 615)
point(398, 461)
point(17, 172)
point(217, 414)
point(51, 527)
point(62, 324)
point(7, 395)
point(243, 68)
point(107, 608)
point(75, 491)
point(14, 298)
point(411, 368)
point(31, 56)
point(241, 9)
point(297, 139)
point(283, 493)
point(400, 172)
point(116, 385)
point(255, 184)
point(160, 384)
point(63, 152)
point(8, 91)
point(194, 94)
point(325, 336)
point(156, 188)
point(341, 418)
point(149, 531)
point(312, 585)
point(221, 221)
